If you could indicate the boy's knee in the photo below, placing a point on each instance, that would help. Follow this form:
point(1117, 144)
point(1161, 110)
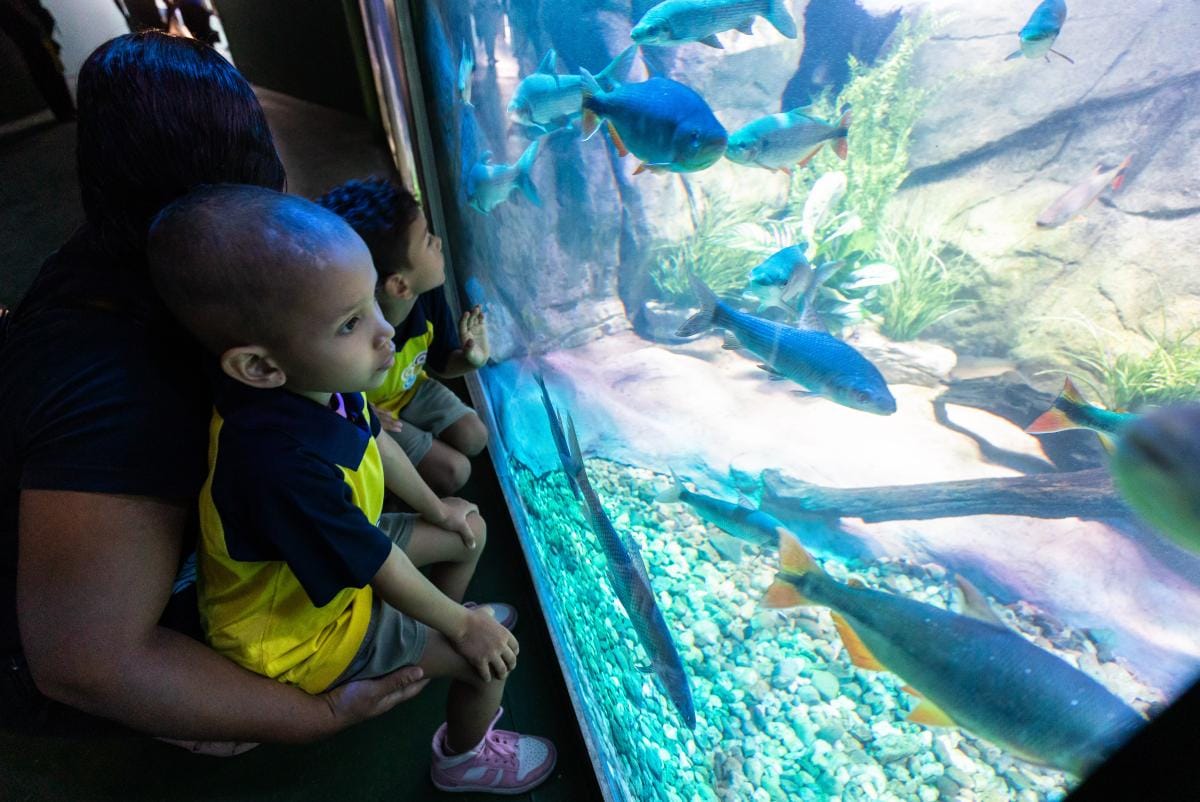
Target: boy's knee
point(468, 435)
point(446, 471)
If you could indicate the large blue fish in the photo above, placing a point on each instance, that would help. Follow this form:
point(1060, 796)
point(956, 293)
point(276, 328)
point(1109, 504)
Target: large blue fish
point(664, 123)
point(626, 569)
point(967, 670)
point(489, 185)
point(745, 522)
point(676, 21)
point(816, 360)
point(546, 101)
point(1043, 28)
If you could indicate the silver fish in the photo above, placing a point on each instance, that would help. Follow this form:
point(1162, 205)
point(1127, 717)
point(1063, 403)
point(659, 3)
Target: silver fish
point(781, 141)
point(489, 185)
point(745, 522)
point(1079, 197)
point(677, 21)
point(546, 101)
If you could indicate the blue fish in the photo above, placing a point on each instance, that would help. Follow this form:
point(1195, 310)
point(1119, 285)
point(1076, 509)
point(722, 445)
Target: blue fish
point(743, 520)
point(676, 21)
point(816, 360)
point(546, 101)
point(664, 123)
point(1043, 28)
point(967, 670)
point(489, 185)
point(626, 569)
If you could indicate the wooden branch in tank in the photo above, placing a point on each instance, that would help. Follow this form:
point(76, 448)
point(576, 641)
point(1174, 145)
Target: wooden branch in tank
point(1085, 494)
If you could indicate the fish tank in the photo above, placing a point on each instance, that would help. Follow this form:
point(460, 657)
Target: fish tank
point(813, 326)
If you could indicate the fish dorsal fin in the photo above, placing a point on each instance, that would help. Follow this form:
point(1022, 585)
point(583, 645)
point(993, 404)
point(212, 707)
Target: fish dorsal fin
point(1071, 393)
point(730, 342)
point(616, 140)
point(860, 655)
point(774, 375)
point(931, 715)
point(712, 41)
point(783, 594)
point(974, 604)
point(549, 63)
point(747, 27)
point(799, 111)
point(745, 502)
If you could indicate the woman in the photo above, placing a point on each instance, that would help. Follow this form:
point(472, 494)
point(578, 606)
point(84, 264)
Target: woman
point(103, 426)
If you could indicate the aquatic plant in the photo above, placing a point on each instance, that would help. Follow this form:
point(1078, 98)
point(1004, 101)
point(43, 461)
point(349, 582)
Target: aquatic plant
point(886, 104)
point(709, 253)
point(1168, 371)
point(929, 287)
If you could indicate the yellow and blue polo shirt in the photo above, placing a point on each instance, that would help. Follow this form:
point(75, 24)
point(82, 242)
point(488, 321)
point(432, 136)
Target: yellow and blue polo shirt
point(288, 542)
point(417, 347)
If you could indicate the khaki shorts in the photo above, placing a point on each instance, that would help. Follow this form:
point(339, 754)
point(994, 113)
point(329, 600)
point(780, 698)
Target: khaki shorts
point(432, 410)
point(393, 639)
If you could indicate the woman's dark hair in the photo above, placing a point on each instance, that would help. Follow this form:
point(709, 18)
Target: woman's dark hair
point(380, 211)
point(159, 115)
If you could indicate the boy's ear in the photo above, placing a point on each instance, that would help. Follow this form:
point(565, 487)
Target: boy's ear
point(396, 286)
point(252, 365)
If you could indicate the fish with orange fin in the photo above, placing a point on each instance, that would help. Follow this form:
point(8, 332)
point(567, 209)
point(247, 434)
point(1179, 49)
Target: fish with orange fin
point(967, 670)
point(781, 141)
point(1071, 411)
point(1071, 203)
point(667, 125)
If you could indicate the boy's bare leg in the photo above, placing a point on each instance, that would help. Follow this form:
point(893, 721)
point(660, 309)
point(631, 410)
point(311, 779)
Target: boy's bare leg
point(467, 435)
point(471, 704)
point(453, 564)
point(445, 469)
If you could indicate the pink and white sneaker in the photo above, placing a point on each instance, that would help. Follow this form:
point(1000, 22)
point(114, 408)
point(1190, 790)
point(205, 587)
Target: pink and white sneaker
point(502, 763)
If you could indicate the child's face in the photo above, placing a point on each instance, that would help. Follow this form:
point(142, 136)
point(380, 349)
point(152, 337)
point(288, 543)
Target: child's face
point(338, 340)
point(424, 267)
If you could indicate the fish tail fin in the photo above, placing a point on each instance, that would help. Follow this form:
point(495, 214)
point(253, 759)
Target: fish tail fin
point(1119, 179)
point(1057, 418)
point(794, 563)
point(524, 174)
point(841, 145)
point(674, 492)
point(705, 319)
point(778, 15)
point(615, 73)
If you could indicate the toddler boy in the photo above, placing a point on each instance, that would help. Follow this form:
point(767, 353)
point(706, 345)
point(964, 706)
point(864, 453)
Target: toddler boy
point(439, 433)
point(295, 579)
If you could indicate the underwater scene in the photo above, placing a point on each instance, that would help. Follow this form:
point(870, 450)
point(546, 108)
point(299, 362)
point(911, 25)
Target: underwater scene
point(843, 354)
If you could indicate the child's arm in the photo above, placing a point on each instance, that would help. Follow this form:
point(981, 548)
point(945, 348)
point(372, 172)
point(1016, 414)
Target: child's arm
point(475, 634)
point(472, 333)
point(401, 477)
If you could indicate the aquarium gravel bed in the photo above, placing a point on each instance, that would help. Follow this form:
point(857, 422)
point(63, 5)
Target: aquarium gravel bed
point(781, 712)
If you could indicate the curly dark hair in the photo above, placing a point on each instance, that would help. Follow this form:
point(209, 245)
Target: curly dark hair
point(379, 210)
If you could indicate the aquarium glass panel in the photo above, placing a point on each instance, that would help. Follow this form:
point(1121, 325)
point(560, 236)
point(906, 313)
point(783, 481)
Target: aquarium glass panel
point(840, 360)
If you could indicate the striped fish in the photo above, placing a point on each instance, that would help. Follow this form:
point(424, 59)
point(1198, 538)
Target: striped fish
point(1070, 411)
point(626, 569)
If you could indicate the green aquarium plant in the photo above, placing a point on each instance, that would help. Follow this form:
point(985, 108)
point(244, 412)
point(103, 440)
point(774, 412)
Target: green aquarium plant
point(708, 253)
point(929, 286)
point(1165, 372)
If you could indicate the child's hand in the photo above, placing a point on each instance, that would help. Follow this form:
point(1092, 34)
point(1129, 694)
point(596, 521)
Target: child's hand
point(457, 512)
point(387, 421)
point(472, 332)
point(487, 646)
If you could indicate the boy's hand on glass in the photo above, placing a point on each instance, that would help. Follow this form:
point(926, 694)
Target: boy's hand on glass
point(487, 646)
point(457, 511)
point(472, 333)
point(387, 421)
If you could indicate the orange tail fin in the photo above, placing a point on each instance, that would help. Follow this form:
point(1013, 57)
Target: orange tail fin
point(1055, 419)
point(1119, 180)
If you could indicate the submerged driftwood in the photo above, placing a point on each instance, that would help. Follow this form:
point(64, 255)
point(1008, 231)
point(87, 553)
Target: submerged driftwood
point(1082, 494)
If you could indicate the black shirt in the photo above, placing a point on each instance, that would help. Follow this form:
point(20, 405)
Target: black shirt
point(99, 392)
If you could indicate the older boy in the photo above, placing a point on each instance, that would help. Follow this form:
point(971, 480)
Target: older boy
point(296, 581)
point(439, 433)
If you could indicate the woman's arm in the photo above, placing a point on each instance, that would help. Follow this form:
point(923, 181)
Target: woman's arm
point(94, 573)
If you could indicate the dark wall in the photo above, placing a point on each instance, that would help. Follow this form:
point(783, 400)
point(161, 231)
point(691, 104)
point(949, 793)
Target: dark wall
point(18, 95)
point(304, 49)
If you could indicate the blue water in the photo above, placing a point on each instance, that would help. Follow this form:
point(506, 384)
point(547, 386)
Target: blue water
point(977, 228)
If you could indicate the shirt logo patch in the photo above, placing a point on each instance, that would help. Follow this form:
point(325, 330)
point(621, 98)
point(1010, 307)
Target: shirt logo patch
point(409, 377)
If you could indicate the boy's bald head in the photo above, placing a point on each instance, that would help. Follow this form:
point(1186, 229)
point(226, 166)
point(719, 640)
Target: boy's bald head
point(230, 260)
